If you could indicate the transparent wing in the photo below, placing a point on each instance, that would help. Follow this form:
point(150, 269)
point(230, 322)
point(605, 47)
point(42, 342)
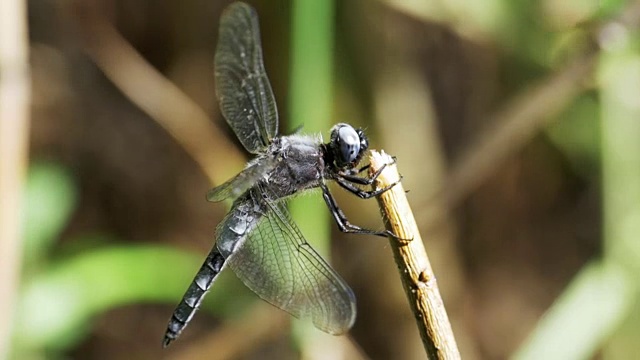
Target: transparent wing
point(243, 181)
point(282, 268)
point(242, 86)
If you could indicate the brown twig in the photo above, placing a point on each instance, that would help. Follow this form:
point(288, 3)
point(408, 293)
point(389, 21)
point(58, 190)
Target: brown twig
point(520, 120)
point(515, 126)
point(257, 327)
point(15, 90)
point(239, 337)
point(417, 276)
point(159, 98)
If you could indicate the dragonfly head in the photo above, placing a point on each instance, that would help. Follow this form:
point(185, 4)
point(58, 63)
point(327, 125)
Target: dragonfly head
point(347, 145)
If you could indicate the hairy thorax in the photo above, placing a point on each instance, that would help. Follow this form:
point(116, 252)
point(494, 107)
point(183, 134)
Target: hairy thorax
point(299, 166)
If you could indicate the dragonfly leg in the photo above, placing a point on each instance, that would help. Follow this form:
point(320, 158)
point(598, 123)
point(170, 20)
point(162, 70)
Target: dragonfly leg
point(358, 171)
point(350, 175)
point(363, 194)
point(343, 224)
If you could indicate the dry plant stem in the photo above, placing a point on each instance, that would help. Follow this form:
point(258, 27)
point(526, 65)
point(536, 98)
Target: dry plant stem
point(514, 127)
point(418, 279)
point(237, 338)
point(521, 119)
point(159, 98)
point(14, 128)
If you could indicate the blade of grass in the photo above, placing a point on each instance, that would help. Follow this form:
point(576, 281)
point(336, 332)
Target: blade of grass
point(588, 311)
point(310, 106)
point(310, 103)
point(619, 77)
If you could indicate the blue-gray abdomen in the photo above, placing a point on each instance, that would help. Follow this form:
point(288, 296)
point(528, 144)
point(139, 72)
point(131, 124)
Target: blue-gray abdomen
point(239, 222)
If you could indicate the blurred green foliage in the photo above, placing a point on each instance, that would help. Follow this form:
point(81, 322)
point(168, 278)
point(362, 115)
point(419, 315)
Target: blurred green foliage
point(578, 134)
point(61, 295)
point(602, 301)
point(51, 198)
point(310, 105)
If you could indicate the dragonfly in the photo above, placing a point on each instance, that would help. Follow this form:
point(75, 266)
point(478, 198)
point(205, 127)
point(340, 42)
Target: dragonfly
point(257, 239)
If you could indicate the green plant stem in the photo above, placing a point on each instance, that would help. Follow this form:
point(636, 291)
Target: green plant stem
point(310, 106)
point(311, 94)
point(602, 295)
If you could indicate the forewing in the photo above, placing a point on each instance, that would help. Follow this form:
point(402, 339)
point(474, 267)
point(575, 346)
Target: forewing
point(244, 93)
point(282, 268)
point(243, 181)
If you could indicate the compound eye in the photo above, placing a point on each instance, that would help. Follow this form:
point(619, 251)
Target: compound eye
point(349, 142)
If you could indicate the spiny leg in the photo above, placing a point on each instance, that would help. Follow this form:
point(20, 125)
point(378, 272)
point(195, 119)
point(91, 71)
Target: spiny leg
point(363, 194)
point(343, 224)
point(351, 174)
point(358, 171)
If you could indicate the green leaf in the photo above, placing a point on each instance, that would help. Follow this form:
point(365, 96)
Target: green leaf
point(57, 306)
point(50, 199)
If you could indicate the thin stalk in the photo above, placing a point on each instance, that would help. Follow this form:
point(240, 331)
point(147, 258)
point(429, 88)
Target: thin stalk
point(15, 94)
point(417, 276)
point(311, 98)
point(310, 106)
point(603, 294)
